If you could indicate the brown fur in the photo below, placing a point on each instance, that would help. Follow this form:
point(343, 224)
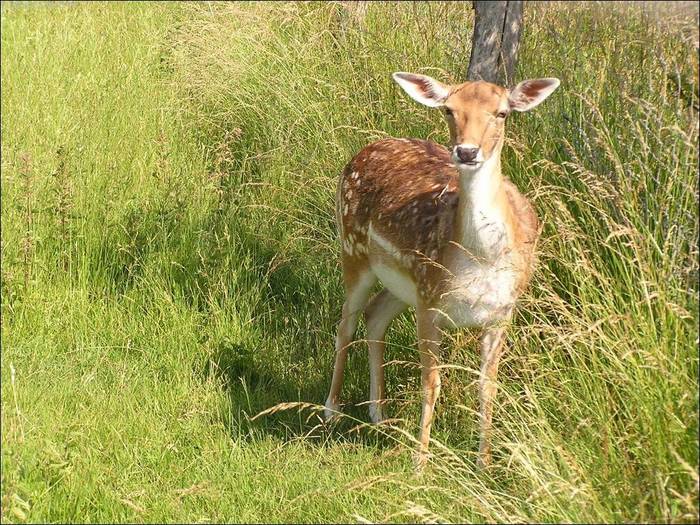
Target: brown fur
point(408, 190)
point(473, 106)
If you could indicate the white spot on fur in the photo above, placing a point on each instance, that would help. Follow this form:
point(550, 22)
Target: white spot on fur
point(384, 243)
point(347, 247)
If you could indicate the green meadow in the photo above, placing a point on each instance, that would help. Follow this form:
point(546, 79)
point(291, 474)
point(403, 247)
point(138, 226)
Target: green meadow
point(170, 267)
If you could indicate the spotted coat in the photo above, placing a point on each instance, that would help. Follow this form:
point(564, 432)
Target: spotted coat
point(407, 190)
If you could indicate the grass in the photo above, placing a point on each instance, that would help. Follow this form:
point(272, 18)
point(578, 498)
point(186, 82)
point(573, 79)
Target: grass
point(170, 267)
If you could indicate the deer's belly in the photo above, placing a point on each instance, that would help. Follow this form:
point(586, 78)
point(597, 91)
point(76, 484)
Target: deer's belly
point(397, 282)
point(389, 266)
point(476, 295)
point(479, 295)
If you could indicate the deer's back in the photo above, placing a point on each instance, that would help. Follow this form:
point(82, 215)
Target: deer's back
point(406, 189)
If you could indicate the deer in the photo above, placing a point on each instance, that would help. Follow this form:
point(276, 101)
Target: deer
point(443, 230)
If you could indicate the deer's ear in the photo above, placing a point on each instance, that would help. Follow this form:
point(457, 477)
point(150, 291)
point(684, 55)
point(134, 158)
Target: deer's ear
point(530, 93)
point(423, 89)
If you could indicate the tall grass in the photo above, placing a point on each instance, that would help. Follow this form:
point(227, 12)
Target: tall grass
point(170, 267)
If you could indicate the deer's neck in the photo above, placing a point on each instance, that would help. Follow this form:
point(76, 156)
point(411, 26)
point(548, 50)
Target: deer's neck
point(481, 223)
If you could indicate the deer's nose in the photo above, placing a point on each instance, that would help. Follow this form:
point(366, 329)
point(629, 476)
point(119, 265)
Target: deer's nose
point(466, 154)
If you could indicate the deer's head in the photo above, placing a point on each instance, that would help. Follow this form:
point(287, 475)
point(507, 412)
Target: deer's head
point(475, 111)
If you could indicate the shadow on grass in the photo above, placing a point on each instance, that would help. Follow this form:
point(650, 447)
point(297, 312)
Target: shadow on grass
point(290, 408)
point(212, 254)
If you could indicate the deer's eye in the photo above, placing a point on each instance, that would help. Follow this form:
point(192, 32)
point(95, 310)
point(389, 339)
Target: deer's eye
point(448, 112)
point(502, 114)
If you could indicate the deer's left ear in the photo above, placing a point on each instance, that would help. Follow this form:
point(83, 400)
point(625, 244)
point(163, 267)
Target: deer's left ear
point(530, 93)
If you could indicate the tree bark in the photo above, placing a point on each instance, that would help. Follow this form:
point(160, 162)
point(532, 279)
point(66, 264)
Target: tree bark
point(495, 41)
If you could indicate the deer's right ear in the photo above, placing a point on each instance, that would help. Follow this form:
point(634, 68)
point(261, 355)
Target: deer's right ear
point(423, 89)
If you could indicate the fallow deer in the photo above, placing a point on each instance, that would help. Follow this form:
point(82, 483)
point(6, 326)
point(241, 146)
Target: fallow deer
point(442, 230)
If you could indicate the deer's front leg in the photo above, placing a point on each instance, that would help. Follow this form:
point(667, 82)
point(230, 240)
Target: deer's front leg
point(429, 336)
point(491, 349)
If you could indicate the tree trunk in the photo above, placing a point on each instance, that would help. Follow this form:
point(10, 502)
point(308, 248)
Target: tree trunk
point(495, 42)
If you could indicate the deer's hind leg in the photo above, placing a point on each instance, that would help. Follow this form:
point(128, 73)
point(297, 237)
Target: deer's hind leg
point(381, 310)
point(359, 279)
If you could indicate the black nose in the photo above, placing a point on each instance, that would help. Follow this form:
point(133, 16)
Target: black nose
point(466, 154)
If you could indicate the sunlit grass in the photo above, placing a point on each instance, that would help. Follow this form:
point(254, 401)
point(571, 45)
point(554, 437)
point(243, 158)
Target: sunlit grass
point(170, 267)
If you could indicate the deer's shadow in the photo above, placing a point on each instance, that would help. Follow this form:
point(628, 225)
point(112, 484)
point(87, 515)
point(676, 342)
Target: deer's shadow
point(289, 407)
